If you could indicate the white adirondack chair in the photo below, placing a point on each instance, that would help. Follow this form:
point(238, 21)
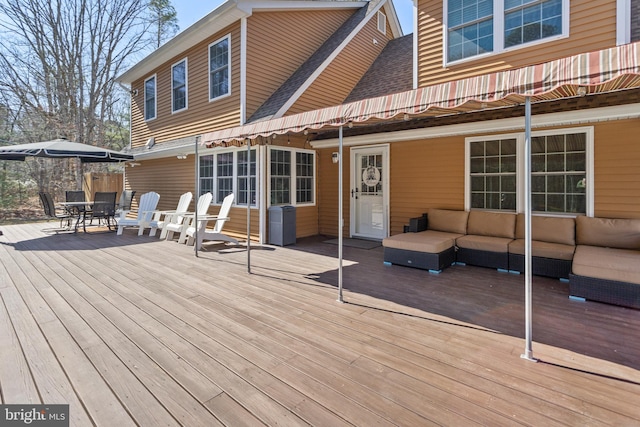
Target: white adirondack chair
point(204, 201)
point(162, 218)
point(146, 207)
point(216, 234)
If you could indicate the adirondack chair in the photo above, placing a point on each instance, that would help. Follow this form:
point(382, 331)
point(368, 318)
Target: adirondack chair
point(162, 218)
point(216, 234)
point(204, 201)
point(146, 207)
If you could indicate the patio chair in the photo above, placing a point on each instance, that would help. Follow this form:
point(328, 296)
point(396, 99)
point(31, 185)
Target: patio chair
point(124, 204)
point(204, 201)
point(146, 207)
point(214, 235)
point(162, 218)
point(104, 207)
point(50, 209)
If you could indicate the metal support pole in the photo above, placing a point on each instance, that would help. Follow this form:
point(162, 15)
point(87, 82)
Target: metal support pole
point(528, 352)
point(195, 217)
point(340, 219)
point(249, 205)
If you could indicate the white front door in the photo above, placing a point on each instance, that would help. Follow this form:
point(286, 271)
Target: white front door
point(369, 192)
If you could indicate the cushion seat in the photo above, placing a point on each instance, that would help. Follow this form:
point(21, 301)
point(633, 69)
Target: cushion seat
point(484, 243)
point(543, 249)
point(622, 265)
point(430, 241)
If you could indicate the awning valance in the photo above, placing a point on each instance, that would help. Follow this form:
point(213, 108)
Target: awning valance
point(597, 72)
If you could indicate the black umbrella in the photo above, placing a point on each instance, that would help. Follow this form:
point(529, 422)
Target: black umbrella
point(62, 148)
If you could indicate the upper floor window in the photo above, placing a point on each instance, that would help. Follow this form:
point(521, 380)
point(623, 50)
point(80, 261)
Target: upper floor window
point(179, 86)
point(219, 68)
point(382, 23)
point(150, 98)
point(560, 171)
point(476, 27)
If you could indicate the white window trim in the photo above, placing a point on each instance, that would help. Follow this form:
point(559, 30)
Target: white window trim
point(623, 22)
point(382, 22)
point(235, 151)
point(228, 36)
point(520, 159)
point(155, 98)
point(498, 33)
point(186, 86)
point(293, 177)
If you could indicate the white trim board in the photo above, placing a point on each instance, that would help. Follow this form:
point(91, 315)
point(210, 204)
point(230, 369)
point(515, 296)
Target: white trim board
point(568, 118)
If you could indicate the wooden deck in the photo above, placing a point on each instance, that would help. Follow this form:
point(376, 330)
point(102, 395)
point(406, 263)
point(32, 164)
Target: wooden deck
point(135, 331)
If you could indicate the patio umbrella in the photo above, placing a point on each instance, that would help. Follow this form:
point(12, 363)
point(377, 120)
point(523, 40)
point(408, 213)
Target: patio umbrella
point(62, 148)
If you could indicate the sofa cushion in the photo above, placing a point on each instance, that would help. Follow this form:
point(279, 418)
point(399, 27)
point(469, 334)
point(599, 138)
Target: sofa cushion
point(484, 243)
point(607, 232)
point(551, 229)
point(429, 241)
point(622, 265)
point(449, 221)
point(495, 224)
point(544, 249)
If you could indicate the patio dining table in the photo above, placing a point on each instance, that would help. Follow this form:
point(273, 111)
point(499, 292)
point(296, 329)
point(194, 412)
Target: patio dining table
point(79, 211)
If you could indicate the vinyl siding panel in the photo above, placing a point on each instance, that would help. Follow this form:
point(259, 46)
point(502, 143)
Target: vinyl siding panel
point(278, 43)
point(592, 27)
point(201, 115)
point(328, 192)
point(617, 170)
point(345, 71)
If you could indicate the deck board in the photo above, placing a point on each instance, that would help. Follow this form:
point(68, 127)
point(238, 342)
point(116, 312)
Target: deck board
point(171, 339)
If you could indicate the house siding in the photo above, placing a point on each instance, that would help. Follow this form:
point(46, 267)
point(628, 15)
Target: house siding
point(430, 173)
point(345, 71)
point(278, 43)
point(201, 115)
point(592, 27)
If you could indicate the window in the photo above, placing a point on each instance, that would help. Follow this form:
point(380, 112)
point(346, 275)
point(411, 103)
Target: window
point(228, 172)
point(150, 98)
point(476, 27)
point(179, 86)
point(382, 23)
point(560, 170)
point(224, 182)
point(246, 176)
point(219, 68)
point(292, 176)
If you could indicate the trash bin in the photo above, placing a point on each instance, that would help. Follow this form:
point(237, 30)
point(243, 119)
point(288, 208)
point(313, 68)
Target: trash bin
point(282, 225)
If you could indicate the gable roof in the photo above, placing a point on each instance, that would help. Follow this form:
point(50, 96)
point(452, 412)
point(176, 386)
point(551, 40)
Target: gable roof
point(391, 72)
point(284, 93)
point(221, 17)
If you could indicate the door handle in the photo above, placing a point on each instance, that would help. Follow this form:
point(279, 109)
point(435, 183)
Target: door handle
point(354, 193)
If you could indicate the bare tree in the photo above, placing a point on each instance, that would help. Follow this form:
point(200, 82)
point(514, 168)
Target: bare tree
point(59, 60)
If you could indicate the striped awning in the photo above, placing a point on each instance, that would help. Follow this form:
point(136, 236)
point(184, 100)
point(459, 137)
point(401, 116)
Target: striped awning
point(588, 73)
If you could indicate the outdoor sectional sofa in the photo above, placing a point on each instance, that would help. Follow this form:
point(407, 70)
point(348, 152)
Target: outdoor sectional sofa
point(599, 257)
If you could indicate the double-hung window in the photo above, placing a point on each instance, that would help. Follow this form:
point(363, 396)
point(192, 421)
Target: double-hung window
point(150, 98)
point(219, 68)
point(476, 27)
point(560, 172)
point(292, 176)
point(179, 86)
point(228, 172)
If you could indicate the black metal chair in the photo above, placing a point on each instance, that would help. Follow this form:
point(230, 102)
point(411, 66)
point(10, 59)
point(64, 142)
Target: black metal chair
point(104, 207)
point(126, 198)
point(50, 209)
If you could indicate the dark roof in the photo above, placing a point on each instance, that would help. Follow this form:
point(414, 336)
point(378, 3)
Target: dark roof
point(273, 104)
point(391, 72)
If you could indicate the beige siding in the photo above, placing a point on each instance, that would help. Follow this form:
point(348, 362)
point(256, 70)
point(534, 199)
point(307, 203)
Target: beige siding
point(345, 71)
point(201, 115)
point(278, 43)
point(617, 169)
point(592, 27)
point(328, 193)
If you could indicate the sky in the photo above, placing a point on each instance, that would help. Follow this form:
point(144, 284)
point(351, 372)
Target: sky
point(190, 11)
